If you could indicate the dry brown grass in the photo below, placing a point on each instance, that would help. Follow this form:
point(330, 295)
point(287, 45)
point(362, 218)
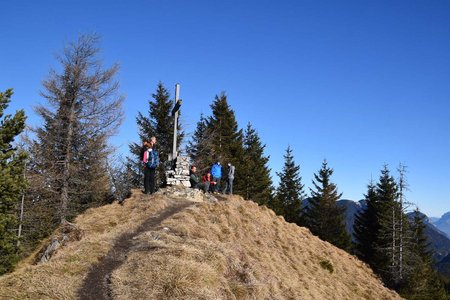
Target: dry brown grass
point(63, 275)
point(232, 249)
point(237, 250)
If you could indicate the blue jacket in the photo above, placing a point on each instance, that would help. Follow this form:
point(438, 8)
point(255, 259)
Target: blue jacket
point(216, 171)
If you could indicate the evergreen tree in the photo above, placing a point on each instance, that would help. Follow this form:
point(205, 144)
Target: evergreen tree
point(421, 245)
point(162, 121)
point(12, 182)
point(289, 194)
point(423, 282)
point(323, 217)
point(366, 227)
point(256, 173)
point(199, 147)
point(70, 153)
point(158, 123)
point(226, 140)
point(386, 260)
point(396, 249)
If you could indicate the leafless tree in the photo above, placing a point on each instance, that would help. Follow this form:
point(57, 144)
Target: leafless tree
point(83, 110)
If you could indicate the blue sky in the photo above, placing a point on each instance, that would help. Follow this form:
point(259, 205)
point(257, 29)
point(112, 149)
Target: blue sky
point(359, 83)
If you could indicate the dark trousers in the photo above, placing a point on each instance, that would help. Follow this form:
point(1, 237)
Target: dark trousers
point(204, 186)
point(149, 180)
point(229, 188)
point(217, 185)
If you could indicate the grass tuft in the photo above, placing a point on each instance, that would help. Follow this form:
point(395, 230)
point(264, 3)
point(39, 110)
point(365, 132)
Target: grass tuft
point(325, 264)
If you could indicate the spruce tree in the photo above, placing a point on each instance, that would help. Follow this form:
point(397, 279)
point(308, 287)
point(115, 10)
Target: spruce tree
point(289, 194)
point(159, 123)
point(386, 260)
point(200, 145)
point(12, 182)
point(256, 173)
point(226, 140)
point(396, 249)
point(323, 217)
point(422, 282)
point(421, 245)
point(366, 227)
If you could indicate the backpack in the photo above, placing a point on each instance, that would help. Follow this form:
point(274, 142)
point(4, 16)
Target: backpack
point(153, 161)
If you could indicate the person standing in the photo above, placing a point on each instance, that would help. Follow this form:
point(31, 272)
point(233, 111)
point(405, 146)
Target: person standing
point(230, 178)
point(143, 156)
point(216, 172)
point(150, 160)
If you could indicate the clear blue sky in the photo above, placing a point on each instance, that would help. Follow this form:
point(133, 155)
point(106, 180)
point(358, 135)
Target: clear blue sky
point(360, 83)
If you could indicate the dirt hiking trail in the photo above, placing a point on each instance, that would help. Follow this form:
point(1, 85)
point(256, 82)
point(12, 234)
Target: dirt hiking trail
point(96, 284)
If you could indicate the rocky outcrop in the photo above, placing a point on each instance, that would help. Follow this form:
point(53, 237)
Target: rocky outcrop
point(194, 195)
point(65, 233)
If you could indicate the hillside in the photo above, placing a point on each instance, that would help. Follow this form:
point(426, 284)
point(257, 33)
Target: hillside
point(168, 247)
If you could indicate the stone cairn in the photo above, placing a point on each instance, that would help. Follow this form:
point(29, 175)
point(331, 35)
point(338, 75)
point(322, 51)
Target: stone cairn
point(179, 173)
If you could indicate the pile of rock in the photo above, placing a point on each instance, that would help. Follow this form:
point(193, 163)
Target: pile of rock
point(179, 174)
point(195, 195)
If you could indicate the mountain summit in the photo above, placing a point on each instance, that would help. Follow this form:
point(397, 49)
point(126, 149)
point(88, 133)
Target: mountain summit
point(182, 244)
point(444, 223)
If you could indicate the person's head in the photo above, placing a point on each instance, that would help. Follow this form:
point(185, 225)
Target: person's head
point(193, 169)
point(208, 174)
point(229, 164)
point(152, 141)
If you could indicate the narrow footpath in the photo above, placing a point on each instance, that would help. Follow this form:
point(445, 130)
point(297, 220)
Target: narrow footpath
point(97, 283)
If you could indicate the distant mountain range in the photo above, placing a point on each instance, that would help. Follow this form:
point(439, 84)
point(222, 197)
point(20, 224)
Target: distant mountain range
point(437, 231)
point(442, 223)
point(433, 219)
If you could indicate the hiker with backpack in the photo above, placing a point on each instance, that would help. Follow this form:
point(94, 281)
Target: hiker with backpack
point(150, 160)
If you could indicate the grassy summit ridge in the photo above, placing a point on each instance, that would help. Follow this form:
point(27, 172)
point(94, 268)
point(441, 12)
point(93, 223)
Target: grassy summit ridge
point(231, 249)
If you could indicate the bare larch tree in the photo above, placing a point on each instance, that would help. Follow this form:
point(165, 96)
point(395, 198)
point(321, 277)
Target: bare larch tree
point(84, 109)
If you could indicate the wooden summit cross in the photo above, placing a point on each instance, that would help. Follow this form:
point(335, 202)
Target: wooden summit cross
point(178, 174)
point(175, 110)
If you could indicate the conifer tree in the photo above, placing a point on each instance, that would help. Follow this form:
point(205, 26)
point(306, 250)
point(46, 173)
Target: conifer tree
point(12, 182)
point(421, 245)
point(226, 140)
point(323, 217)
point(200, 145)
point(387, 243)
point(396, 249)
point(366, 227)
point(162, 122)
point(422, 282)
point(256, 173)
point(83, 110)
point(158, 123)
point(289, 194)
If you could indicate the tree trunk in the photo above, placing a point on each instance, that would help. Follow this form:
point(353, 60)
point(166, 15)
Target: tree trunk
point(66, 172)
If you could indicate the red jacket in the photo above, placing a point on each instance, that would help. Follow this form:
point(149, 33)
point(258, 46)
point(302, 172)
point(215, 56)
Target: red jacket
point(206, 179)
